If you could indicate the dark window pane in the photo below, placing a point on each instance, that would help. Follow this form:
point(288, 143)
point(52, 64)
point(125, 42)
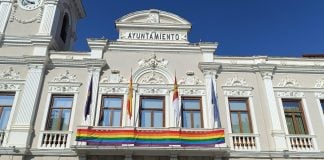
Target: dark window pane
point(152, 103)
point(322, 104)
point(237, 105)
point(186, 119)
point(4, 117)
point(290, 124)
point(196, 120)
point(235, 123)
point(191, 104)
point(300, 124)
point(291, 105)
point(245, 122)
point(63, 102)
point(6, 100)
point(113, 102)
point(146, 119)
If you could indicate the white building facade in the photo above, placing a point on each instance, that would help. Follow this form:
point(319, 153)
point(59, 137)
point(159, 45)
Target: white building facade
point(60, 104)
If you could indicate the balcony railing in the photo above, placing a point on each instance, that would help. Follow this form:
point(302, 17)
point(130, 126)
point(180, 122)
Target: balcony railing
point(301, 143)
point(150, 137)
point(245, 142)
point(55, 139)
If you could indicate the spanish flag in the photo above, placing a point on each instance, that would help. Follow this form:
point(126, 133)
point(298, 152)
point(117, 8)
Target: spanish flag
point(175, 100)
point(130, 98)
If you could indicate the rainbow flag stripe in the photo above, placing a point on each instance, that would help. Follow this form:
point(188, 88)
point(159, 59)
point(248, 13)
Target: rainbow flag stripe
point(144, 137)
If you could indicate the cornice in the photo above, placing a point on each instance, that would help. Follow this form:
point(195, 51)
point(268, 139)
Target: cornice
point(209, 66)
point(158, 47)
point(77, 63)
point(26, 41)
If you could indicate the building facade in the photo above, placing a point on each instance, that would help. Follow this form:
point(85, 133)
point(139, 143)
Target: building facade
point(149, 95)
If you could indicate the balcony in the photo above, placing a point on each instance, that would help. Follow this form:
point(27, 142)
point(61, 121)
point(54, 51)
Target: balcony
point(244, 142)
point(301, 143)
point(54, 139)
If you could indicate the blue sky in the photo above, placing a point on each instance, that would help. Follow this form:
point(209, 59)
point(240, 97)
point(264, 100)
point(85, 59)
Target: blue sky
point(241, 27)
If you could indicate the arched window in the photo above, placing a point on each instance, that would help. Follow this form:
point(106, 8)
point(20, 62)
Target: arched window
point(65, 28)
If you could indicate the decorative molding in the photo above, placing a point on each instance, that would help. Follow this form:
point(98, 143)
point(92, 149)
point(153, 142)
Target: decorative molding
point(65, 82)
point(64, 87)
point(190, 79)
point(288, 82)
point(108, 89)
point(65, 77)
point(319, 83)
point(36, 18)
point(192, 91)
point(319, 95)
point(153, 62)
point(290, 94)
point(10, 74)
point(236, 81)
point(153, 17)
point(152, 78)
point(114, 77)
point(153, 90)
point(10, 86)
point(234, 91)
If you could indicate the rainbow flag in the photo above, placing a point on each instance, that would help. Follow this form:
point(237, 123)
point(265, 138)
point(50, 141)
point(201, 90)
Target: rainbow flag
point(158, 138)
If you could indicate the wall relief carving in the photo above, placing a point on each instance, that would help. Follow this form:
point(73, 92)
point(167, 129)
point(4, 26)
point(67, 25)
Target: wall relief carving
point(319, 83)
point(65, 77)
point(288, 82)
point(190, 79)
point(152, 78)
point(10, 74)
point(153, 62)
point(114, 77)
point(236, 81)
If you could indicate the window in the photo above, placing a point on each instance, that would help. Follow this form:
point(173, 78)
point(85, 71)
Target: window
point(151, 112)
point(191, 113)
point(59, 113)
point(65, 28)
point(6, 101)
point(240, 116)
point(294, 116)
point(111, 111)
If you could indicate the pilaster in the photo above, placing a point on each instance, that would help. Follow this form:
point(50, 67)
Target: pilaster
point(22, 126)
point(5, 9)
point(210, 71)
point(277, 131)
point(94, 72)
point(208, 50)
point(97, 47)
point(48, 19)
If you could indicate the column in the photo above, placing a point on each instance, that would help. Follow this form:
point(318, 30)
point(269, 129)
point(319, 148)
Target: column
point(210, 70)
point(48, 18)
point(276, 129)
point(22, 126)
point(5, 9)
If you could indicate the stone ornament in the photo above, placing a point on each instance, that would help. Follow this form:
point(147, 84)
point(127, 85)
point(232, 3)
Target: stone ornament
point(190, 79)
point(192, 91)
point(288, 82)
point(65, 77)
point(114, 77)
point(153, 62)
point(10, 74)
point(319, 83)
point(238, 93)
point(153, 17)
point(152, 78)
point(290, 94)
point(236, 81)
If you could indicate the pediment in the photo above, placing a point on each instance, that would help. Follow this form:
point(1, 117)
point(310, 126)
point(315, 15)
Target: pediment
point(153, 16)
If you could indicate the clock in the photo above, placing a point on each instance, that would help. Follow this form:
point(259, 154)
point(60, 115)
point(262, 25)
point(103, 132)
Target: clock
point(29, 4)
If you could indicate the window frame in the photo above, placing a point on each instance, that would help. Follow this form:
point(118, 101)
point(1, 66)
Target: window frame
point(246, 100)
point(301, 110)
point(191, 115)
point(12, 106)
point(50, 107)
point(102, 109)
point(152, 117)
